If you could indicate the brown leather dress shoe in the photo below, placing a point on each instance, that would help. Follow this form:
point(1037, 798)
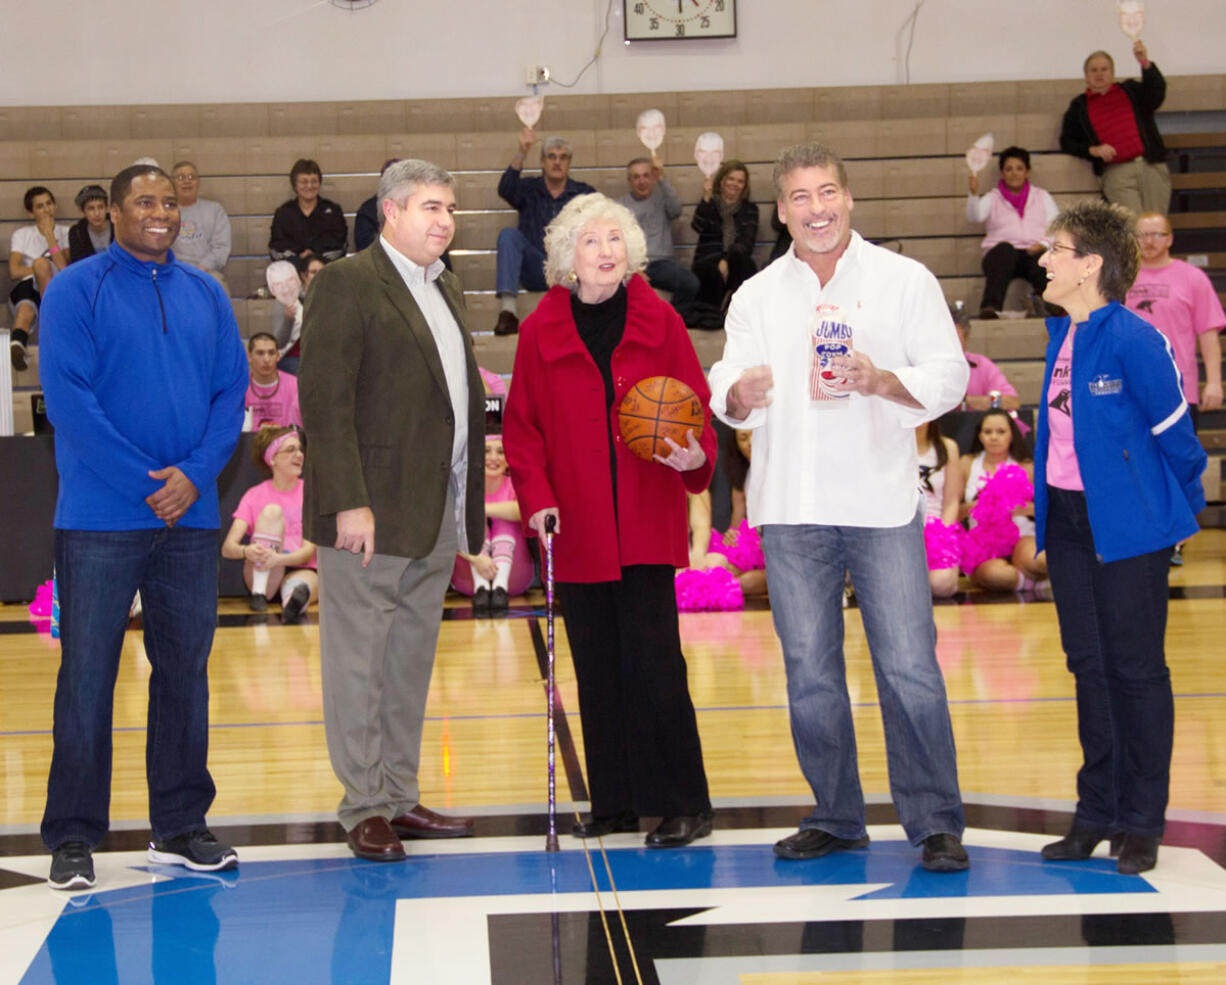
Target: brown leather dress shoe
point(374, 839)
point(421, 822)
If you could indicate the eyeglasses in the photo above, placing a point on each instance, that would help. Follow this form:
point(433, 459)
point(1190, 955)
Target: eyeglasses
point(1152, 235)
point(184, 178)
point(1057, 247)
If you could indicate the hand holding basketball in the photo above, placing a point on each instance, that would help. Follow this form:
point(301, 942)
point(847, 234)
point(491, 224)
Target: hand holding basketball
point(684, 459)
point(655, 415)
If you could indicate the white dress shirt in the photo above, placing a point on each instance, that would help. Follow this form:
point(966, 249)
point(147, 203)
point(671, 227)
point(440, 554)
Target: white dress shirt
point(449, 340)
point(850, 461)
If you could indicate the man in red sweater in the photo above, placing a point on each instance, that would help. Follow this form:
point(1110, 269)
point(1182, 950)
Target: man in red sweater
point(1112, 126)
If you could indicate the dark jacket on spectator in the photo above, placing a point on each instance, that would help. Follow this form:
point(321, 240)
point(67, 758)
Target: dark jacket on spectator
point(537, 208)
point(80, 245)
point(1077, 134)
point(709, 226)
point(324, 231)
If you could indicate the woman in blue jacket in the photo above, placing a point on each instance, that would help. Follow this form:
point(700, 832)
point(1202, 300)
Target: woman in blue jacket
point(1117, 482)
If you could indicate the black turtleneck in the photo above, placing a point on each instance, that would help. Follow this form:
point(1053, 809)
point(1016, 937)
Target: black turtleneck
point(600, 326)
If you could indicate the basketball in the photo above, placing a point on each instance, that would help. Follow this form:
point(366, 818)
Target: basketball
point(656, 408)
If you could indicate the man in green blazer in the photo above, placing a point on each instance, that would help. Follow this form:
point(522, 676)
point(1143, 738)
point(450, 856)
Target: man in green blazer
point(393, 408)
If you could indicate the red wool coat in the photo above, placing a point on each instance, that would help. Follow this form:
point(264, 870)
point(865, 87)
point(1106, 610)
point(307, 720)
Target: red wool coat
point(557, 444)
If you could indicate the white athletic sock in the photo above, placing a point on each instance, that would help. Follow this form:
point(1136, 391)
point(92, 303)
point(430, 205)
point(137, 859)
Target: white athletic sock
point(503, 551)
point(259, 581)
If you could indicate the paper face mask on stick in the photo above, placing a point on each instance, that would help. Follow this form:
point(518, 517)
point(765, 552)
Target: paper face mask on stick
point(1132, 17)
point(650, 128)
point(529, 109)
point(283, 281)
point(978, 156)
point(709, 152)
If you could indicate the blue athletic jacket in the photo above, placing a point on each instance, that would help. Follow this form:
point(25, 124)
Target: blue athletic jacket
point(142, 367)
point(1140, 460)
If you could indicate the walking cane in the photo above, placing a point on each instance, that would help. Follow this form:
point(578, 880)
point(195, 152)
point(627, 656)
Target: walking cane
point(551, 839)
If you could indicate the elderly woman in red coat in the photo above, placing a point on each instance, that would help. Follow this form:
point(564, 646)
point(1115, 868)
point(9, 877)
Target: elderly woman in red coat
point(621, 521)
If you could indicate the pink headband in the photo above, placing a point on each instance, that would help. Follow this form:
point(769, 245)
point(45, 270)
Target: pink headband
point(271, 451)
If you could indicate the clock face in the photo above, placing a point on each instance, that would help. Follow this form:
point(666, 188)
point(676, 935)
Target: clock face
point(679, 20)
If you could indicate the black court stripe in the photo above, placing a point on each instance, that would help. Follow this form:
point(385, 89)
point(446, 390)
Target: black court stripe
point(561, 726)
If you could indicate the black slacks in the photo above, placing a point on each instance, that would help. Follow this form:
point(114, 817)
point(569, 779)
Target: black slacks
point(640, 735)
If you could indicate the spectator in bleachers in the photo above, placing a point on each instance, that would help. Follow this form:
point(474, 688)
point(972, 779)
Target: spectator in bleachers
point(1016, 214)
point(1112, 126)
point(941, 482)
point(366, 222)
point(502, 566)
point(999, 442)
point(93, 232)
point(275, 555)
point(655, 204)
point(1180, 301)
point(987, 386)
point(204, 233)
point(308, 222)
point(36, 253)
point(521, 251)
point(272, 395)
point(727, 225)
point(286, 323)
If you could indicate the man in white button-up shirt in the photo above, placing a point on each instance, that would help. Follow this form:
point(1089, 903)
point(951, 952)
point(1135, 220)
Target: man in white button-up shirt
point(394, 484)
point(834, 353)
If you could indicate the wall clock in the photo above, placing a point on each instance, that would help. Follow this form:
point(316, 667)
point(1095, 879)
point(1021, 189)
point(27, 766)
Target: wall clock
point(679, 20)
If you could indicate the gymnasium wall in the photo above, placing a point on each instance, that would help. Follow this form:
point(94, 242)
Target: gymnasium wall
point(63, 52)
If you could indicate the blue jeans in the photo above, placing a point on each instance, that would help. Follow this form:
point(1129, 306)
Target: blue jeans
point(519, 262)
point(669, 275)
point(1113, 628)
point(805, 565)
point(98, 573)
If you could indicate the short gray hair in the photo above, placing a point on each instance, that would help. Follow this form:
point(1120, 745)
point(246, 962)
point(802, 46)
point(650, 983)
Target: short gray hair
point(401, 179)
point(552, 142)
point(810, 155)
point(562, 234)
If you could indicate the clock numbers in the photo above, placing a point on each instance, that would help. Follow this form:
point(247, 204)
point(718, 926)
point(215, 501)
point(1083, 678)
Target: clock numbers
point(683, 20)
point(654, 23)
point(705, 22)
point(680, 31)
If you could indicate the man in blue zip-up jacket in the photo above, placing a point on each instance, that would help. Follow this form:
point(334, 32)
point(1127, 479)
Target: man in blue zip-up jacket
point(144, 374)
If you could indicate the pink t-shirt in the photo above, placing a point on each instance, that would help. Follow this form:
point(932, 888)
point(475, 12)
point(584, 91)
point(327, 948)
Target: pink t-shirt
point(257, 497)
point(986, 377)
point(1179, 301)
point(1062, 469)
point(275, 404)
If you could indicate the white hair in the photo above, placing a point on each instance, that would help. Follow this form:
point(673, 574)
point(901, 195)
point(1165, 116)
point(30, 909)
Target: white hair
point(562, 234)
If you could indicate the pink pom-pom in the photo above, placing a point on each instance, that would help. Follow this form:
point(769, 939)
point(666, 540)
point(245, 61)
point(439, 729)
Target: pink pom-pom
point(994, 533)
point(40, 608)
point(746, 553)
point(708, 590)
point(943, 543)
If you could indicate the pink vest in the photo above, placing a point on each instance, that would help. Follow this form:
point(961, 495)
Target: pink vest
point(1005, 225)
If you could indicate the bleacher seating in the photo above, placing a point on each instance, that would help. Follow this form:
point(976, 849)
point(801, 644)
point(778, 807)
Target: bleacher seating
point(904, 147)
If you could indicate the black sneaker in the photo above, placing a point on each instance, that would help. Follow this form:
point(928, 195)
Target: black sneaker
point(258, 602)
point(198, 850)
point(72, 867)
point(17, 353)
point(291, 611)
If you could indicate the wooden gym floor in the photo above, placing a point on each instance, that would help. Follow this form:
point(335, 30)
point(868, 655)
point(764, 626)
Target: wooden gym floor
point(499, 909)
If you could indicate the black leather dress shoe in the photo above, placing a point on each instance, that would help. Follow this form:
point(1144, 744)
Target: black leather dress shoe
point(814, 843)
point(944, 853)
point(481, 602)
point(374, 839)
point(499, 603)
point(598, 827)
point(1075, 846)
point(1138, 854)
point(673, 832)
point(421, 822)
point(507, 324)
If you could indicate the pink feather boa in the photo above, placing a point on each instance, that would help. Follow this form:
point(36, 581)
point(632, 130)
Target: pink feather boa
point(994, 533)
point(745, 554)
point(708, 590)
